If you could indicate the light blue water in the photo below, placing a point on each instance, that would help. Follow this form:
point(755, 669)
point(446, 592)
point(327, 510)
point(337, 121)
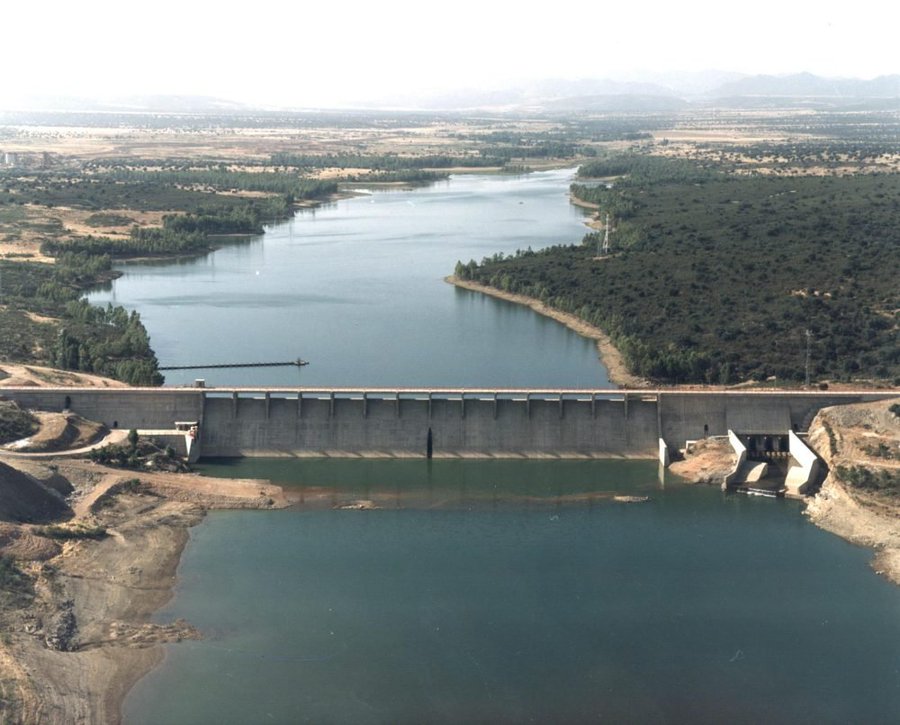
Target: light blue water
point(357, 289)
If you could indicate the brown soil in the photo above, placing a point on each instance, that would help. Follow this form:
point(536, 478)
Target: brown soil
point(20, 544)
point(23, 498)
point(609, 354)
point(13, 375)
point(111, 586)
point(706, 461)
point(60, 431)
point(41, 319)
point(863, 518)
point(74, 220)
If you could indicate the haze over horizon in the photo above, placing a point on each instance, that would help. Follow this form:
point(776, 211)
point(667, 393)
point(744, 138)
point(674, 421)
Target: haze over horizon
point(358, 53)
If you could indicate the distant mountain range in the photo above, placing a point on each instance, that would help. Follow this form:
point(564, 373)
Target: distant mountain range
point(638, 93)
point(807, 85)
point(125, 104)
point(673, 91)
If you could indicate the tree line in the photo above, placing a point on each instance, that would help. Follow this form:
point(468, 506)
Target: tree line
point(719, 281)
point(105, 341)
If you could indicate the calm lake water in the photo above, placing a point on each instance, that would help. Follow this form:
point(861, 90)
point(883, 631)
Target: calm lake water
point(480, 591)
point(520, 591)
point(357, 289)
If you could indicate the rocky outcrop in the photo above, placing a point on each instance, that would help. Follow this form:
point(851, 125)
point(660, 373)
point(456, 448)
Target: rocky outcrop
point(61, 629)
point(859, 436)
point(706, 461)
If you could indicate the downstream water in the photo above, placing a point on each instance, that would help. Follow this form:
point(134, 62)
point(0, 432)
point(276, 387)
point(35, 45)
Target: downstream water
point(520, 591)
point(480, 591)
point(357, 289)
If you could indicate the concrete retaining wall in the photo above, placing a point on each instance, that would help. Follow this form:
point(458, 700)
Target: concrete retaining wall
point(693, 415)
point(804, 468)
point(156, 408)
point(740, 451)
point(664, 458)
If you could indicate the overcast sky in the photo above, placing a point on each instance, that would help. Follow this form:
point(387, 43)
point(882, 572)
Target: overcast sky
point(321, 54)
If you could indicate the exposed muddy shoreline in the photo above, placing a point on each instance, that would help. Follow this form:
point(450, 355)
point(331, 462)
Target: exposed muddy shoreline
point(80, 637)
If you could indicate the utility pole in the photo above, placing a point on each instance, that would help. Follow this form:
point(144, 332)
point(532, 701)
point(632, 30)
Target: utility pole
point(808, 338)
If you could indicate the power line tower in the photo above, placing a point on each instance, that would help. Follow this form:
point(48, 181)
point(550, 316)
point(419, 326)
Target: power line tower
point(606, 236)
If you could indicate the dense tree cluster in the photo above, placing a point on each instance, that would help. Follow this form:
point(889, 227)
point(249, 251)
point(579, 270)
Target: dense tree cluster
point(641, 170)
point(107, 341)
point(881, 481)
point(182, 191)
point(381, 162)
point(227, 180)
point(110, 342)
point(719, 281)
point(142, 242)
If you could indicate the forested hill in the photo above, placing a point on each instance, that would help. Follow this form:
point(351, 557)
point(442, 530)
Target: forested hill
point(717, 278)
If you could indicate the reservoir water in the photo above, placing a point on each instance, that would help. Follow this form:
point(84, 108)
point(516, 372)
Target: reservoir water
point(521, 591)
point(357, 289)
point(477, 591)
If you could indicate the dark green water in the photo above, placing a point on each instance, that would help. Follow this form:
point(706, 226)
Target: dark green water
point(519, 591)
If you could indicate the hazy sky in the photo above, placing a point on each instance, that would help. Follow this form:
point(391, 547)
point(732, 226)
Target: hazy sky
point(325, 53)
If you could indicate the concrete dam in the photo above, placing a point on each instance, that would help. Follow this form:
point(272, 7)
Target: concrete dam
point(410, 422)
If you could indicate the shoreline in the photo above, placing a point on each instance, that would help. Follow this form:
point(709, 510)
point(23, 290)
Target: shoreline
point(111, 587)
point(608, 353)
point(845, 436)
point(575, 201)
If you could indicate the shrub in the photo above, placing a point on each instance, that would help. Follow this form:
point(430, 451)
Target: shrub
point(66, 533)
point(15, 423)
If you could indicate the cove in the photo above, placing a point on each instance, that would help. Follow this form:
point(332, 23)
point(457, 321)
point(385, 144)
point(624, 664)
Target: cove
point(356, 288)
point(517, 591)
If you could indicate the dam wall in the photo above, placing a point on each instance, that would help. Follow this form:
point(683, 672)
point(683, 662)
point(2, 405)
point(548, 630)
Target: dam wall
point(470, 425)
point(150, 408)
point(691, 415)
point(461, 422)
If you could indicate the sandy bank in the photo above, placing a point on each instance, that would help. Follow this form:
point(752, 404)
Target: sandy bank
point(583, 204)
point(609, 354)
point(95, 598)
